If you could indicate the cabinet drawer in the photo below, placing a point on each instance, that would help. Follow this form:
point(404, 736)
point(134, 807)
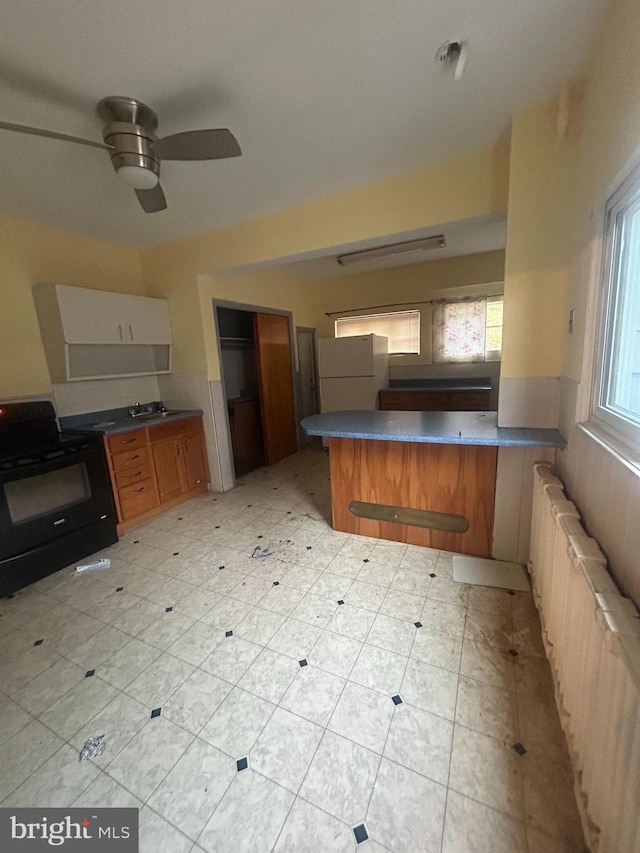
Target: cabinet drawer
point(137, 498)
point(134, 474)
point(127, 440)
point(174, 429)
point(393, 401)
point(469, 401)
point(129, 458)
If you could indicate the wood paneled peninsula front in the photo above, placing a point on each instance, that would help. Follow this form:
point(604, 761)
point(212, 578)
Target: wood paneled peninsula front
point(424, 478)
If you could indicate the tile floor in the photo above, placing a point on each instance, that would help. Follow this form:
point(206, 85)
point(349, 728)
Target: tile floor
point(373, 703)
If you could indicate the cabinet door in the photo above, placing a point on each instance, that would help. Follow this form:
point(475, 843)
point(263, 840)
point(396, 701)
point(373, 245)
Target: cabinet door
point(90, 316)
point(195, 461)
point(275, 371)
point(167, 459)
point(246, 436)
point(146, 320)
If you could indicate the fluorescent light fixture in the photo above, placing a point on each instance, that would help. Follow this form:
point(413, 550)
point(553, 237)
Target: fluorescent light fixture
point(408, 248)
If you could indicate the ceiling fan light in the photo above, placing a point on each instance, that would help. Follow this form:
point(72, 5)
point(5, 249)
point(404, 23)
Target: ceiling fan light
point(137, 177)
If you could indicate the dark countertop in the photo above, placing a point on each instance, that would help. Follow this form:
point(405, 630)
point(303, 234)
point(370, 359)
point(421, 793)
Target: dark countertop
point(480, 383)
point(112, 421)
point(429, 427)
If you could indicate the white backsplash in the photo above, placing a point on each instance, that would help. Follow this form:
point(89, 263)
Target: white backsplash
point(94, 395)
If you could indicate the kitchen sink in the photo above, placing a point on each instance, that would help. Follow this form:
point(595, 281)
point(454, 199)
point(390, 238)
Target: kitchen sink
point(147, 416)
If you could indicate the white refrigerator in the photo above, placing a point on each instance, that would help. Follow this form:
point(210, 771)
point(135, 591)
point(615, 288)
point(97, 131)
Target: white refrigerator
point(352, 370)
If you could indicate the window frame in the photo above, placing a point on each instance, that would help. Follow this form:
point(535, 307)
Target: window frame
point(618, 432)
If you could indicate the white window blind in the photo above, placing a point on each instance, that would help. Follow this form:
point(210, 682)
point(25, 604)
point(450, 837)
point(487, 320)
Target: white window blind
point(401, 327)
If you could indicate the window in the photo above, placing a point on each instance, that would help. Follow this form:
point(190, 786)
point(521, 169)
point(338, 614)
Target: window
point(616, 398)
point(467, 330)
point(401, 327)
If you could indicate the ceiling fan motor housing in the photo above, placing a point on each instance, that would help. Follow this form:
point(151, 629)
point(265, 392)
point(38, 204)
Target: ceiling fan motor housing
point(131, 146)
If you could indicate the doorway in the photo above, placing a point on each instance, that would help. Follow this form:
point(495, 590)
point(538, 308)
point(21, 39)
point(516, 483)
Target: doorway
point(256, 366)
point(307, 375)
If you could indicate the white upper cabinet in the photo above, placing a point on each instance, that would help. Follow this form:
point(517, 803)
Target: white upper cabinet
point(94, 334)
point(101, 317)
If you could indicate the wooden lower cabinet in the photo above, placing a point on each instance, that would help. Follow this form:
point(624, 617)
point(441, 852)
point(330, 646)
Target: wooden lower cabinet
point(156, 467)
point(434, 401)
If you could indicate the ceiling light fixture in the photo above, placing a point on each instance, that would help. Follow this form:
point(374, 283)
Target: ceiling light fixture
point(393, 249)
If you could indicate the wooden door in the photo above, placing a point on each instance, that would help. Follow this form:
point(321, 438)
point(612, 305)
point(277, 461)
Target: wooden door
point(167, 458)
point(275, 372)
point(195, 461)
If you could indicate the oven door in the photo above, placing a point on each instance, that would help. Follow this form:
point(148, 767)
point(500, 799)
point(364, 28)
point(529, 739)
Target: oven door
point(46, 499)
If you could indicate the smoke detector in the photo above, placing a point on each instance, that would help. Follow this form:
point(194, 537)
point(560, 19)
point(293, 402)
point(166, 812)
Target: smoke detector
point(452, 56)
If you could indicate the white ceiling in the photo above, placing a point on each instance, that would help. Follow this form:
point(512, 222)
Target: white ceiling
point(322, 96)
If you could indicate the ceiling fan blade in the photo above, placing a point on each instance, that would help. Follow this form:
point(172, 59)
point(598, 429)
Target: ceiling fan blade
point(152, 200)
point(198, 145)
point(51, 134)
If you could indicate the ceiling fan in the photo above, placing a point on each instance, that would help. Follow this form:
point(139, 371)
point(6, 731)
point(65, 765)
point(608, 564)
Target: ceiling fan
point(135, 150)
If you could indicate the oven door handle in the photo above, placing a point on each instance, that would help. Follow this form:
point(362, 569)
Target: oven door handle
point(43, 466)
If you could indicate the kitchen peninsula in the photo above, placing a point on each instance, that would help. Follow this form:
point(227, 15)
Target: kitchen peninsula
point(424, 478)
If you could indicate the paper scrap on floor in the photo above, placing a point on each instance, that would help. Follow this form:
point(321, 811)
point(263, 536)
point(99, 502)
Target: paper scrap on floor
point(475, 570)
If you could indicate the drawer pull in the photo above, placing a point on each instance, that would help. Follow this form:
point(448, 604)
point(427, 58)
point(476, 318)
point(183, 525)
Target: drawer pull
point(127, 440)
point(137, 491)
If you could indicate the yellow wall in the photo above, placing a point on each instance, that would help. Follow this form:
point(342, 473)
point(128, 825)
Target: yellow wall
point(476, 185)
point(609, 141)
point(538, 244)
point(31, 253)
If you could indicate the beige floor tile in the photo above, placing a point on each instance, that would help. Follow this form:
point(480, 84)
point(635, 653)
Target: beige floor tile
point(259, 625)
point(47, 688)
point(236, 725)
point(295, 639)
point(437, 649)
point(197, 643)
point(118, 722)
point(341, 777)
point(269, 675)
point(128, 663)
point(231, 658)
point(395, 635)
point(149, 756)
point(56, 783)
point(159, 681)
point(313, 694)
point(105, 792)
point(196, 700)
point(335, 654)
point(78, 706)
point(363, 716)
point(487, 709)
point(406, 811)
point(420, 741)
point(193, 788)
point(284, 749)
point(487, 770)
point(431, 688)
point(379, 669)
point(320, 831)
point(158, 836)
point(12, 718)
point(254, 803)
point(21, 755)
point(549, 801)
point(487, 664)
point(471, 827)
